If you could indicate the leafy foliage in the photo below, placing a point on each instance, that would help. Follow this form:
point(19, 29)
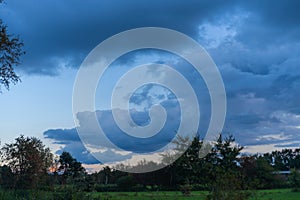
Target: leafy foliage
point(294, 180)
point(28, 159)
point(10, 53)
point(225, 177)
point(225, 172)
point(69, 165)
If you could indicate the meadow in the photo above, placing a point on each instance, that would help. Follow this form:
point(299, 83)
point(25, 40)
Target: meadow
point(275, 194)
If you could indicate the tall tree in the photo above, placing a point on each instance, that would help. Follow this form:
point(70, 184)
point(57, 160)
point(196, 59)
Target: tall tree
point(69, 165)
point(225, 177)
point(294, 180)
point(28, 159)
point(11, 49)
point(258, 172)
point(189, 163)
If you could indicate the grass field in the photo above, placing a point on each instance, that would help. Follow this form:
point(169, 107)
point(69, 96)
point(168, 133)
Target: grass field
point(280, 194)
point(277, 194)
point(151, 195)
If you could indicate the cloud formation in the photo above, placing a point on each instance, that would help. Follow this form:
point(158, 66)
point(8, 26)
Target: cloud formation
point(255, 45)
point(60, 34)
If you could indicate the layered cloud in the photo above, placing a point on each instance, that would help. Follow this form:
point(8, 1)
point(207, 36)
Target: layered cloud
point(254, 44)
point(60, 34)
point(113, 145)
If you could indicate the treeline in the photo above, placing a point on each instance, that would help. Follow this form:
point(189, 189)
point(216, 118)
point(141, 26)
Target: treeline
point(227, 173)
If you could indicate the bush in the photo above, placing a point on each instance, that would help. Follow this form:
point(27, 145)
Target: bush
point(227, 186)
point(106, 187)
point(186, 189)
point(294, 180)
point(126, 183)
point(200, 187)
point(138, 188)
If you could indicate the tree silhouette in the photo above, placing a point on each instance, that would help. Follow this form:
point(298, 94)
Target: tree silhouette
point(294, 180)
point(28, 159)
point(71, 168)
point(10, 53)
point(225, 178)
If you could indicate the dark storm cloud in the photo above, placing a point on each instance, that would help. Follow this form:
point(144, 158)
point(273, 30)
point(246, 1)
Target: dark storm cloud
point(61, 33)
point(259, 63)
point(255, 44)
point(280, 15)
point(71, 142)
point(68, 136)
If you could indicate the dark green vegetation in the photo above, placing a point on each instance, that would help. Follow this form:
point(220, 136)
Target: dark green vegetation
point(28, 170)
point(275, 194)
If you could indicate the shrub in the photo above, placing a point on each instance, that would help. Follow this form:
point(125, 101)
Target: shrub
point(106, 187)
point(186, 189)
point(125, 183)
point(294, 180)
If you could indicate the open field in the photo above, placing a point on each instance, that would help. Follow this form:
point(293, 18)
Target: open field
point(278, 194)
point(151, 195)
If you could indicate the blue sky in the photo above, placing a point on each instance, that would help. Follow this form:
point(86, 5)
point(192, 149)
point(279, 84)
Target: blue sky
point(254, 44)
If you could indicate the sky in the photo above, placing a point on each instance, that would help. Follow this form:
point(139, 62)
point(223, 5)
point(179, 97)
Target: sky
point(254, 44)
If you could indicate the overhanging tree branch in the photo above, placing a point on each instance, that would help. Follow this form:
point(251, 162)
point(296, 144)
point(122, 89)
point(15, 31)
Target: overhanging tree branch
point(11, 49)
